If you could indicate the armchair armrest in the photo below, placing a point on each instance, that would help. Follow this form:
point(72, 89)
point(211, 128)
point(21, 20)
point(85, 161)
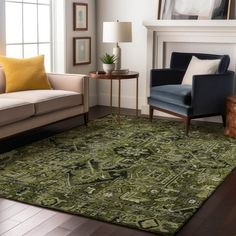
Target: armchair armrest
point(71, 82)
point(209, 92)
point(166, 76)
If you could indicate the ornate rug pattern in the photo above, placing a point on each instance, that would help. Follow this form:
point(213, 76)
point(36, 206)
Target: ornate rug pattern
point(144, 175)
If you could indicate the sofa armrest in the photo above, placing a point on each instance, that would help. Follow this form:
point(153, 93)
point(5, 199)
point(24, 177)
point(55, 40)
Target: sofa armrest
point(71, 82)
point(166, 76)
point(209, 92)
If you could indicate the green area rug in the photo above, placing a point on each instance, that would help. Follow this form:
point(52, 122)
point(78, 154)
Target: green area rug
point(139, 174)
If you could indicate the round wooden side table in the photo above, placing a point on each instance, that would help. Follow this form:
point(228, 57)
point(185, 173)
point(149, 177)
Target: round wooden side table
point(230, 129)
point(101, 75)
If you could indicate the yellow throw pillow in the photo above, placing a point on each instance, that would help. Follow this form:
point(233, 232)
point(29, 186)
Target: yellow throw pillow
point(24, 74)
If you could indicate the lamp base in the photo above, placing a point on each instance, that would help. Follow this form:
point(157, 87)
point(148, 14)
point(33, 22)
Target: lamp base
point(117, 53)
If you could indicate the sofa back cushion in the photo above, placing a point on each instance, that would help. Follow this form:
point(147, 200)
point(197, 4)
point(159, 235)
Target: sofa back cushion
point(2, 81)
point(180, 61)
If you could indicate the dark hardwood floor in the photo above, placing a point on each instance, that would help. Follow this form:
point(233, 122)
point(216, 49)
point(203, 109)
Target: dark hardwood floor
point(217, 216)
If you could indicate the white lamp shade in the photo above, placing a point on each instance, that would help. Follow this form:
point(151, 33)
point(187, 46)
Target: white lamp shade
point(115, 32)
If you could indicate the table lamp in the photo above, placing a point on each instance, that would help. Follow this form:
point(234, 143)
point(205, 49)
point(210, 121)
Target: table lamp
point(117, 32)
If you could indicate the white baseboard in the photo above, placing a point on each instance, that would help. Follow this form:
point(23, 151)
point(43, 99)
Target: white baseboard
point(126, 101)
point(93, 100)
point(145, 111)
point(130, 102)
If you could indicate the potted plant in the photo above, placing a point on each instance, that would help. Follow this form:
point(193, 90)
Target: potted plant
point(108, 62)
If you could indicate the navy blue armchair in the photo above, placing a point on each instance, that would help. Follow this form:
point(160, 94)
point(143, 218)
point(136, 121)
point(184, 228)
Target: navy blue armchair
point(205, 97)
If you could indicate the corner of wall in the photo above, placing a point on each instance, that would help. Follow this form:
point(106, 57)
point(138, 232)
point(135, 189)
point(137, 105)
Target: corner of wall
point(91, 32)
point(2, 28)
point(58, 34)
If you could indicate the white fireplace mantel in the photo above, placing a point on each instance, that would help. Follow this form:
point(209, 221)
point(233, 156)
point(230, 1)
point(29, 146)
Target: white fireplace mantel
point(192, 25)
point(160, 32)
point(189, 31)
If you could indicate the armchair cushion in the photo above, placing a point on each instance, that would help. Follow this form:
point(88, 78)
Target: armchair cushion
point(200, 67)
point(174, 94)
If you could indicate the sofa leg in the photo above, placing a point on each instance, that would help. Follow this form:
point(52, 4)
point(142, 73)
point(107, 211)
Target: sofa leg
point(224, 120)
point(86, 118)
point(187, 124)
point(151, 113)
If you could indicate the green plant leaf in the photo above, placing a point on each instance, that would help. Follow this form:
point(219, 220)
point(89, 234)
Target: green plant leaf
point(108, 59)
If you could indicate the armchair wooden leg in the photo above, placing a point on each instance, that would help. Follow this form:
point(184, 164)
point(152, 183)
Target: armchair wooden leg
point(151, 113)
point(86, 118)
point(187, 123)
point(224, 120)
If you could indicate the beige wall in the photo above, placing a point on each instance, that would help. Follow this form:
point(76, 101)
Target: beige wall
point(133, 54)
point(70, 33)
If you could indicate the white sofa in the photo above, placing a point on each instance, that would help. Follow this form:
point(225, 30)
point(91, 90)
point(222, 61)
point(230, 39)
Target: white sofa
point(26, 110)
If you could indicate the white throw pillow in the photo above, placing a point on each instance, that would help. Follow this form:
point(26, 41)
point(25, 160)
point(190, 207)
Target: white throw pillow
point(200, 67)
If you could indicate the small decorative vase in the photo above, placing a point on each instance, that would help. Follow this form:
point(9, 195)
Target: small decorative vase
point(108, 68)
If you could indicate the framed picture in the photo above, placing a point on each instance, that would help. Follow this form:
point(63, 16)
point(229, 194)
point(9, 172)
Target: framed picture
point(192, 9)
point(159, 9)
point(222, 9)
point(82, 50)
point(80, 16)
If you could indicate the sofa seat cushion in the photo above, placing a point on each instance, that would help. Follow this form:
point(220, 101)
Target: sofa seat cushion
point(173, 94)
point(13, 110)
point(46, 101)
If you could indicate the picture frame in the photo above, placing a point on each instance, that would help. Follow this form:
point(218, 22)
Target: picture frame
point(194, 10)
point(159, 9)
point(80, 16)
point(81, 50)
point(223, 11)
